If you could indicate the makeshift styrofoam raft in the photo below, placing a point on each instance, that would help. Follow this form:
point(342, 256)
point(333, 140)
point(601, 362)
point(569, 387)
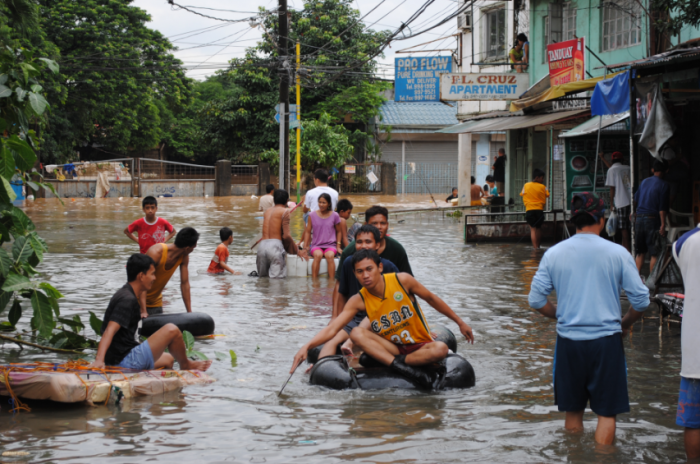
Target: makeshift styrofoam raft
point(74, 386)
point(297, 267)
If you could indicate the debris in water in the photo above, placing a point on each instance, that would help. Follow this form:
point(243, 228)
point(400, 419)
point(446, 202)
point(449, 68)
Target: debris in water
point(15, 453)
point(307, 442)
point(294, 327)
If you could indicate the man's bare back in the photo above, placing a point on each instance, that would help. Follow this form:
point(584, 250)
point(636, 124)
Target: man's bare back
point(276, 226)
point(476, 192)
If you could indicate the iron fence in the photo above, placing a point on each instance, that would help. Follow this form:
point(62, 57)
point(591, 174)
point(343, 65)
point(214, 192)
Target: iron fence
point(150, 169)
point(360, 178)
point(425, 178)
point(244, 175)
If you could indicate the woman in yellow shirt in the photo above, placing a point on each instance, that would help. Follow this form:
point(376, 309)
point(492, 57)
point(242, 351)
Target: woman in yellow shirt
point(535, 196)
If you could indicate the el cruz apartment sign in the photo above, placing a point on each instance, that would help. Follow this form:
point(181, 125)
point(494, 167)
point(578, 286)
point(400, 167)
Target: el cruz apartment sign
point(417, 78)
point(461, 87)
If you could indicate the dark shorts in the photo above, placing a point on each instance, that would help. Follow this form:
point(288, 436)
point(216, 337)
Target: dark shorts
point(408, 349)
point(644, 228)
point(591, 370)
point(688, 414)
point(359, 317)
point(535, 218)
point(623, 218)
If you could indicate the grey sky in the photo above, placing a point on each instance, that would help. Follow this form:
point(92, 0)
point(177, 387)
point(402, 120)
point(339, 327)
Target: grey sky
point(203, 52)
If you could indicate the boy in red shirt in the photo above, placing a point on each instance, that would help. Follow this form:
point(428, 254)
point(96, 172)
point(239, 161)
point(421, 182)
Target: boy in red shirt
point(151, 230)
point(218, 262)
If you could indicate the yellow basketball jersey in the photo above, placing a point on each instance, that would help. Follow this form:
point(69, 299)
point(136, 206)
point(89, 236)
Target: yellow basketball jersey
point(395, 317)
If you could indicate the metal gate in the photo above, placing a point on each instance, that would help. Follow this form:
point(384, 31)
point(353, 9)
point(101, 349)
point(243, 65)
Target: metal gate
point(360, 178)
point(425, 178)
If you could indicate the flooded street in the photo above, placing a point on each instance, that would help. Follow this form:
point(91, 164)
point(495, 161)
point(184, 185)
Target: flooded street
point(508, 416)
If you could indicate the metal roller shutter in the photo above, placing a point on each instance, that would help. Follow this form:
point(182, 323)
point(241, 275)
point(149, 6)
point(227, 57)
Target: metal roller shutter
point(421, 152)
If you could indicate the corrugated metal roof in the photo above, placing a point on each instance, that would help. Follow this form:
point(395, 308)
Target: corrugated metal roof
point(418, 114)
point(516, 122)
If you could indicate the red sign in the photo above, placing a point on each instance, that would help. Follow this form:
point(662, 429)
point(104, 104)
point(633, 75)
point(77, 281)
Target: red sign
point(566, 62)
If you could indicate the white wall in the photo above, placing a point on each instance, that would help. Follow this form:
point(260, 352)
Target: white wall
point(478, 22)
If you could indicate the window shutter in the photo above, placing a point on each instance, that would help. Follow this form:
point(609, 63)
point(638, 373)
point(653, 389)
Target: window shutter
point(555, 12)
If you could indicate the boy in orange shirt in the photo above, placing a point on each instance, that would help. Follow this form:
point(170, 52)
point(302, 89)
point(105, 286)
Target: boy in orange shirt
point(218, 262)
point(535, 197)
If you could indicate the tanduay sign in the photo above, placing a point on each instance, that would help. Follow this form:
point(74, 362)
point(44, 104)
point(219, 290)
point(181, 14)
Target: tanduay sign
point(473, 86)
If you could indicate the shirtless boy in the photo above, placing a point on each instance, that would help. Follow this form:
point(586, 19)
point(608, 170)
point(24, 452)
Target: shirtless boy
point(120, 344)
point(477, 193)
point(276, 240)
point(400, 336)
point(168, 259)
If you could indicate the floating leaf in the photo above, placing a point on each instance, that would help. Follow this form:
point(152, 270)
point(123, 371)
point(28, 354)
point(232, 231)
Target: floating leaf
point(220, 356)
point(200, 355)
point(43, 314)
point(189, 341)
point(95, 323)
point(234, 358)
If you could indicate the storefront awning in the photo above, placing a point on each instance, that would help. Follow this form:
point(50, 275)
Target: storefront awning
point(513, 122)
point(592, 125)
point(558, 91)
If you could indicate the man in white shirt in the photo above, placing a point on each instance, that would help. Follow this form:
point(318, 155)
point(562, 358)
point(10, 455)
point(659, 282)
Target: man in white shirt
point(266, 201)
point(686, 251)
point(619, 182)
point(311, 198)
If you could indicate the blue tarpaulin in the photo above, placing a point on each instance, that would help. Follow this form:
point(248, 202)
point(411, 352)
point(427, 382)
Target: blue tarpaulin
point(611, 96)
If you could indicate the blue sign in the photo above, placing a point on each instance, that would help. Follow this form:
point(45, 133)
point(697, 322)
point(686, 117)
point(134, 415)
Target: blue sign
point(418, 78)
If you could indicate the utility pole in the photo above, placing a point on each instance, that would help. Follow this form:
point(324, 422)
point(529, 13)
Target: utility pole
point(284, 96)
point(298, 79)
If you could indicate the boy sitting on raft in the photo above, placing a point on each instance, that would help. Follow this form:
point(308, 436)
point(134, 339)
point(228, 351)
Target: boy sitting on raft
point(400, 336)
point(151, 229)
point(367, 238)
point(120, 344)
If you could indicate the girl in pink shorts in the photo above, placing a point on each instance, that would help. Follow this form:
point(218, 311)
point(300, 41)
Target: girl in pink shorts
point(324, 231)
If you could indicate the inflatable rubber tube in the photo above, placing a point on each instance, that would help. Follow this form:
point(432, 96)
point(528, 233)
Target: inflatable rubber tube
point(195, 323)
point(440, 333)
point(333, 372)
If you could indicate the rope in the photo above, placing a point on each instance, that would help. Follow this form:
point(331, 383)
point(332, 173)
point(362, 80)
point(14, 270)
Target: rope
point(17, 405)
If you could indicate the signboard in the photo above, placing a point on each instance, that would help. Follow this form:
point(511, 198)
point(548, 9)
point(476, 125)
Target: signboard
point(349, 169)
point(293, 121)
point(417, 77)
point(462, 87)
point(566, 62)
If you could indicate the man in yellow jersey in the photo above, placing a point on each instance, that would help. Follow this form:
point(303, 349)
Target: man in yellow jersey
point(535, 196)
point(400, 336)
point(168, 259)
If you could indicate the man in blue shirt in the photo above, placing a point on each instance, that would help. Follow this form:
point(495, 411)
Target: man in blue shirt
point(651, 203)
point(588, 273)
point(367, 238)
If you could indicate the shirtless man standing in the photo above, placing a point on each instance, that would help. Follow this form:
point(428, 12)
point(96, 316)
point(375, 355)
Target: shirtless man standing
point(276, 239)
point(477, 193)
point(168, 258)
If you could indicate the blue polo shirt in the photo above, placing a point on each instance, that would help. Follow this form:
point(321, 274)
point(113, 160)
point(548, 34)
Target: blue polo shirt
point(588, 273)
point(652, 196)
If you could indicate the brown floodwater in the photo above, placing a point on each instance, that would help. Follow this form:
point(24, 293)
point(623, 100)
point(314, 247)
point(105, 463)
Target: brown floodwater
point(508, 416)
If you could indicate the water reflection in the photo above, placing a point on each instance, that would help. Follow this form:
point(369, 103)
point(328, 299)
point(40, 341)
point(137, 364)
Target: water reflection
point(508, 416)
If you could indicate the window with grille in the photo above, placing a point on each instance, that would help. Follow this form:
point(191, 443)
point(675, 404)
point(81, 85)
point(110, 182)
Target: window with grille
point(621, 25)
point(569, 21)
point(495, 34)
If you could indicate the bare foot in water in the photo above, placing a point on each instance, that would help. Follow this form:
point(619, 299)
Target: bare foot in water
point(196, 365)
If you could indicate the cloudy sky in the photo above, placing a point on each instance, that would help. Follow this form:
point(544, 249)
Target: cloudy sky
point(206, 45)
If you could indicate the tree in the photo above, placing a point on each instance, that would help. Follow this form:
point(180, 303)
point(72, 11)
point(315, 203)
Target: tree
point(322, 145)
point(117, 74)
point(336, 52)
point(673, 15)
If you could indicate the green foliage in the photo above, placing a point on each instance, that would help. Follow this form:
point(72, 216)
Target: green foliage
point(673, 15)
point(116, 75)
point(188, 338)
point(322, 144)
point(332, 37)
point(361, 102)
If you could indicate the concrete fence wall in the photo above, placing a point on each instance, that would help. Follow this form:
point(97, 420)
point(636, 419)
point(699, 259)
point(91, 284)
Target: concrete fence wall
point(86, 189)
point(191, 188)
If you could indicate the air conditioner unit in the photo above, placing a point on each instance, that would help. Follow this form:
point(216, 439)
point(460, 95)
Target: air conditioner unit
point(464, 21)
